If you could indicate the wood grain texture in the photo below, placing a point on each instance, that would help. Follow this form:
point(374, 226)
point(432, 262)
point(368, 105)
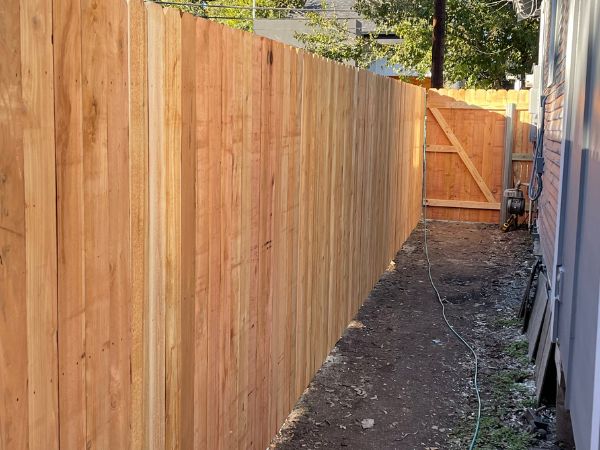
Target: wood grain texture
point(138, 198)
point(14, 397)
point(172, 197)
point(191, 215)
point(462, 154)
point(40, 222)
point(462, 204)
point(187, 310)
point(201, 128)
point(154, 345)
point(92, 133)
point(118, 214)
point(465, 139)
point(70, 210)
point(97, 274)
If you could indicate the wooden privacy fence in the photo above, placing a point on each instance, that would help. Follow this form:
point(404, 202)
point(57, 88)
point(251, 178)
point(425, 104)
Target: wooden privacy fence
point(467, 147)
point(189, 217)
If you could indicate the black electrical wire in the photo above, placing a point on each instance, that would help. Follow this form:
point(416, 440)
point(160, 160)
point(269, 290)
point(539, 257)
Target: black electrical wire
point(257, 8)
point(535, 183)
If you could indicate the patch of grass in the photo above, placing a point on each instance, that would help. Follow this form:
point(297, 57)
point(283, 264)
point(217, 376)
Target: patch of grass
point(518, 350)
point(530, 402)
point(495, 435)
point(507, 396)
point(508, 322)
point(508, 391)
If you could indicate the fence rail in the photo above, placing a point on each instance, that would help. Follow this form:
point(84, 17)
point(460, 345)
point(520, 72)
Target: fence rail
point(189, 217)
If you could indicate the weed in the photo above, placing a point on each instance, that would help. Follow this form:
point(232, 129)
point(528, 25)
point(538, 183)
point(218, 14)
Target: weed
point(508, 322)
point(507, 389)
point(506, 396)
point(495, 434)
point(518, 350)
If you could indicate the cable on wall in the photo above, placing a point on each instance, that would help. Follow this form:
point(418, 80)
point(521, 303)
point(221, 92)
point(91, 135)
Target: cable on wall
point(536, 181)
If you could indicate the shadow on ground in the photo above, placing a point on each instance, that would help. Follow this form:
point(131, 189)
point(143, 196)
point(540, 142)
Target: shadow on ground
point(398, 379)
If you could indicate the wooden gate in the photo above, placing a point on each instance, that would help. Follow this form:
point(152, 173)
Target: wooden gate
point(467, 151)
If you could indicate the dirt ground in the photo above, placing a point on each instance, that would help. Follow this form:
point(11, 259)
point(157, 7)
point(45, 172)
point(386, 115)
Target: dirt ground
point(398, 379)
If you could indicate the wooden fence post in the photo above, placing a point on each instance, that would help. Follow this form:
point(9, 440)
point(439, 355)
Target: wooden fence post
point(508, 149)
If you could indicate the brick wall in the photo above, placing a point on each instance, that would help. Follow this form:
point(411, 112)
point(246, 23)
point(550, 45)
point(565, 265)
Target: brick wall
point(554, 92)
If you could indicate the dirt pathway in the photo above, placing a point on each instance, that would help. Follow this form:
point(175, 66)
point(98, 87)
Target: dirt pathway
point(398, 379)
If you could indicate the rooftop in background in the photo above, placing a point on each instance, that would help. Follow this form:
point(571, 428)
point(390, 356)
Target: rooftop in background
point(343, 5)
point(343, 9)
point(285, 29)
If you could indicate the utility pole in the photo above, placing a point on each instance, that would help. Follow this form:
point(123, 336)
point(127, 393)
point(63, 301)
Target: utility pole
point(437, 50)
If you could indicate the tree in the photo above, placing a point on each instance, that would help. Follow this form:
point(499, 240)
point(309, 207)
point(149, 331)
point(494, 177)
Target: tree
point(484, 40)
point(237, 13)
point(331, 39)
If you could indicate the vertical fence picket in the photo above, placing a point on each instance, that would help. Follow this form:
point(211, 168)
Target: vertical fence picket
point(70, 210)
point(154, 347)
point(138, 199)
point(187, 311)
point(202, 237)
point(14, 411)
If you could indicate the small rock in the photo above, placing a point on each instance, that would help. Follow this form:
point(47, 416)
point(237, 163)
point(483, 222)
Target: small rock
point(367, 423)
point(541, 433)
point(359, 391)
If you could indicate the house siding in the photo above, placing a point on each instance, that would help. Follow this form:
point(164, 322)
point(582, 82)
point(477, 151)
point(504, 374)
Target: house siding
point(576, 317)
point(553, 122)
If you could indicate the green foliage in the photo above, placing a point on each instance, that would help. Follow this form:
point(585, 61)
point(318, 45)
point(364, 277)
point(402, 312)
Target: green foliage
point(508, 390)
point(235, 17)
point(496, 434)
point(236, 14)
point(333, 40)
point(484, 40)
point(508, 397)
point(508, 322)
point(507, 393)
point(518, 349)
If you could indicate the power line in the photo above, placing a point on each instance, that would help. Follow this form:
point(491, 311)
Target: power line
point(264, 8)
point(205, 7)
point(270, 18)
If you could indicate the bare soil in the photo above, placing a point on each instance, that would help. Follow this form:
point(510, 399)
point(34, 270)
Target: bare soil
point(398, 378)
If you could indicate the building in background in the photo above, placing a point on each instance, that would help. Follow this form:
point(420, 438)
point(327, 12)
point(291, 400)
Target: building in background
point(285, 30)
